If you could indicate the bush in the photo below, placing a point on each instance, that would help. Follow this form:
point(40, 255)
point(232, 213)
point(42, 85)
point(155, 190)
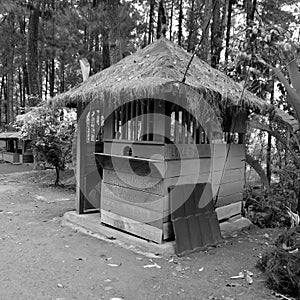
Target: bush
point(51, 132)
point(269, 210)
point(282, 263)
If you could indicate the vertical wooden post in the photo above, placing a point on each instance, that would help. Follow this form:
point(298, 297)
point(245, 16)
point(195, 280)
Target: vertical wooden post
point(159, 120)
point(183, 126)
point(144, 119)
point(109, 126)
point(167, 121)
point(126, 121)
point(80, 159)
point(176, 125)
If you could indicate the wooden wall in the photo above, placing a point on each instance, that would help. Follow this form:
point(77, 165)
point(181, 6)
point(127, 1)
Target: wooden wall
point(139, 202)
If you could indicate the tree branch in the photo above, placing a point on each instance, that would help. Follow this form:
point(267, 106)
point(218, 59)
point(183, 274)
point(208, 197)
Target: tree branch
point(294, 75)
point(254, 163)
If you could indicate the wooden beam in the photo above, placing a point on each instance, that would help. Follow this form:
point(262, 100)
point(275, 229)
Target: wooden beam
point(137, 228)
point(80, 159)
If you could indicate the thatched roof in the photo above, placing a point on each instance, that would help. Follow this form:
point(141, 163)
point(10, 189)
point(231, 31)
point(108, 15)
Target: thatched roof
point(10, 135)
point(154, 69)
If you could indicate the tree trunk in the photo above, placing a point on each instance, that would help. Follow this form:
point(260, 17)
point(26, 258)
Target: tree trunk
point(216, 43)
point(151, 21)
point(269, 144)
point(62, 73)
point(268, 157)
point(20, 87)
point(161, 20)
point(171, 20)
point(32, 51)
point(10, 89)
point(52, 77)
point(205, 31)
point(10, 72)
point(105, 49)
point(259, 170)
point(180, 23)
point(57, 176)
point(191, 28)
point(228, 27)
point(250, 13)
point(25, 85)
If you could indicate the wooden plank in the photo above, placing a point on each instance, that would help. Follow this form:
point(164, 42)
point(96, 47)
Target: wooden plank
point(147, 184)
point(228, 211)
point(231, 188)
point(168, 232)
point(132, 211)
point(139, 149)
point(134, 197)
point(196, 166)
point(180, 151)
point(231, 175)
point(137, 228)
point(187, 179)
point(175, 168)
point(231, 163)
point(222, 201)
point(235, 150)
point(11, 157)
point(132, 165)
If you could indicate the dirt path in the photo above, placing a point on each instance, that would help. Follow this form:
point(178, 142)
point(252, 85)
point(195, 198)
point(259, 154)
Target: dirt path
point(40, 259)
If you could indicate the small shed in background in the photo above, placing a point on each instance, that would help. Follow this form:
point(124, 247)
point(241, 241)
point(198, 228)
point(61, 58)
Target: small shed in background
point(144, 133)
point(15, 150)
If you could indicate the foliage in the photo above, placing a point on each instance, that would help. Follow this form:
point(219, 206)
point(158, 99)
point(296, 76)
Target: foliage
point(51, 132)
point(270, 210)
point(282, 263)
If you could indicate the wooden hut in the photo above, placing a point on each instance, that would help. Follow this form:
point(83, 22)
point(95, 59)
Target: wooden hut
point(145, 131)
point(15, 150)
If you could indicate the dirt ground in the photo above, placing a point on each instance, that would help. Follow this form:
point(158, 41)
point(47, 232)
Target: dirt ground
point(40, 259)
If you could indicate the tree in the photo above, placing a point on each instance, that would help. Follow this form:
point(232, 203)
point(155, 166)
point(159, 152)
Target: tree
point(33, 54)
point(51, 132)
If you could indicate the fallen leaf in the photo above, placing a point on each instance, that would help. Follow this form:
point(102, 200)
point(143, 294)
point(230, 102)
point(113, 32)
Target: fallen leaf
point(294, 251)
point(249, 279)
point(155, 265)
point(240, 276)
point(201, 269)
point(114, 265)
